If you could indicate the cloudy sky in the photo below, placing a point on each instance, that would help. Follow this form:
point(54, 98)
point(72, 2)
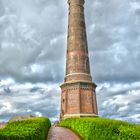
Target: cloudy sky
point(32, 56)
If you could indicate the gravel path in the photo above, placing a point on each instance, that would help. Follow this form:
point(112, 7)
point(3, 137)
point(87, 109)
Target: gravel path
point(60, 133)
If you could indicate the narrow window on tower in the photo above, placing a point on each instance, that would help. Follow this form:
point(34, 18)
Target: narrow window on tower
point(63, 101)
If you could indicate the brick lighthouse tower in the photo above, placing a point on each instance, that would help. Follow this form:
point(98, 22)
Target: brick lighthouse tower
point(78, 96)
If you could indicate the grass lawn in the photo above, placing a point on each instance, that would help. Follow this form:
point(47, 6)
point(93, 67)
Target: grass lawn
point(102, 129)
point(29, 129)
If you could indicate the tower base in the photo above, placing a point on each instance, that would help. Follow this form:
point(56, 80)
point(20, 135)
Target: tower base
point(79, 115)
point(78, 99)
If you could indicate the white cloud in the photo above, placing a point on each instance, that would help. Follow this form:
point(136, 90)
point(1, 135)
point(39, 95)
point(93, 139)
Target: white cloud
point(7, 106)
point(7, 82)
point(38, 114)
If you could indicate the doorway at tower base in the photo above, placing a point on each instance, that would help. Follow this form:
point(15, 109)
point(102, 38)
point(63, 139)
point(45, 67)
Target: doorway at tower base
point(80, 115)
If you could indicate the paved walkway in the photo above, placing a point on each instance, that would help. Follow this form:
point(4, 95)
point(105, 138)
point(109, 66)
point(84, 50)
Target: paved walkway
point(60, 133)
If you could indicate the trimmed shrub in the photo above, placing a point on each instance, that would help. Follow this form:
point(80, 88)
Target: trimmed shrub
point(102, 129)
point(30, 129)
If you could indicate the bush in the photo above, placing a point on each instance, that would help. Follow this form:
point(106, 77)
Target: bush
point(30, 129)
point(102, 129)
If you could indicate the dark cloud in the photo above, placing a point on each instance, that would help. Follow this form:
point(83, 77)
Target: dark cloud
point(113, 32)
point(33, 43)
point(7, 90)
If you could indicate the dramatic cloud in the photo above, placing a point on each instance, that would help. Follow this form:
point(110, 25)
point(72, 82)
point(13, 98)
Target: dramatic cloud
point(39, 99)
point(120, 101)
point(31, 41)
point(33, 50)
point(114, 39)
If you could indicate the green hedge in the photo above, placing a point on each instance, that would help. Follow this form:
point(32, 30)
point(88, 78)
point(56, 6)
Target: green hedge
point(102, 129)
point(30, 129)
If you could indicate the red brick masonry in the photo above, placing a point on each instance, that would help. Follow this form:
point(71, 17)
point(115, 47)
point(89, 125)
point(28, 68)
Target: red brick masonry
point(78, 95)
